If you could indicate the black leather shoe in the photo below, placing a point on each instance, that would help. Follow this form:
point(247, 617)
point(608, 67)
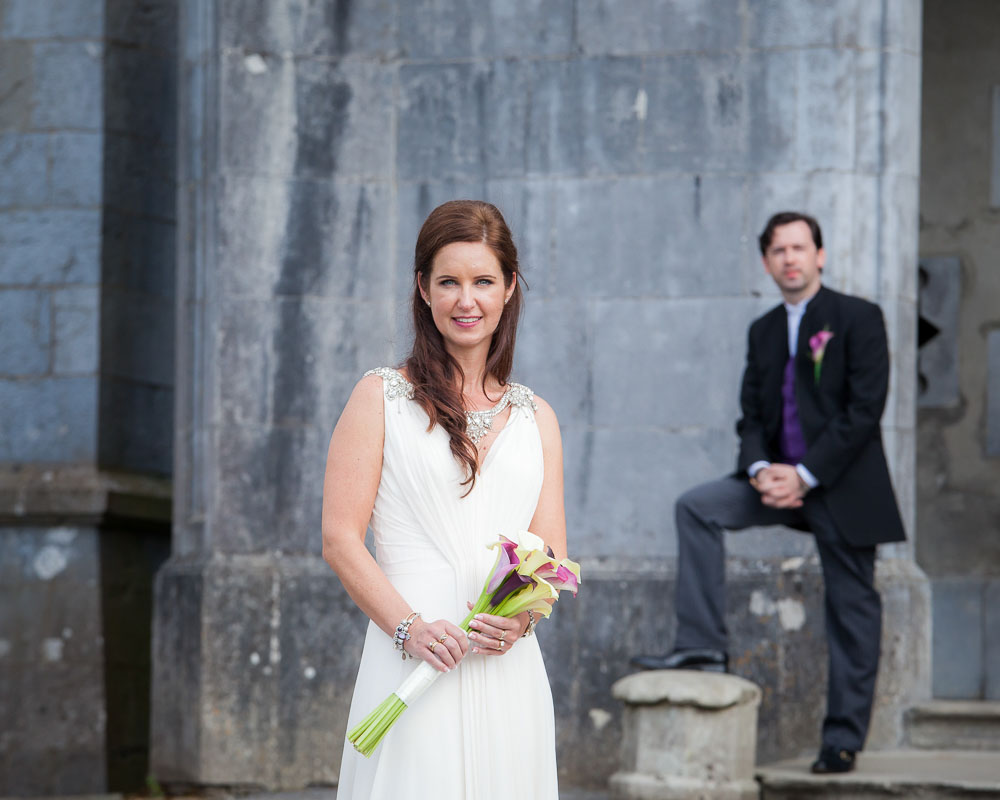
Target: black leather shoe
point(703, 658)
point(833, 759)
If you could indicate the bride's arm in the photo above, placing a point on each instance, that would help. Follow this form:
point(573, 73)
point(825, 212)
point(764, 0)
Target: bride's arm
point(353, 471)
point(549, 521)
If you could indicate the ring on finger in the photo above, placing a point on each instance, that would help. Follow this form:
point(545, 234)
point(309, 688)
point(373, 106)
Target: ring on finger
point(503, 634)
point(443, 637)
point(500, 645)
point(432, 645)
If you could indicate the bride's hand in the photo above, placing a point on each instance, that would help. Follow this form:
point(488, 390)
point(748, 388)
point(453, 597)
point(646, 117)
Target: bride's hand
point(494, 636)
point(441, 644)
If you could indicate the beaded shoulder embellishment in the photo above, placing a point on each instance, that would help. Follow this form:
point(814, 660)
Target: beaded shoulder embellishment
point(479, 423)
point(395, 384)
point(521, 396)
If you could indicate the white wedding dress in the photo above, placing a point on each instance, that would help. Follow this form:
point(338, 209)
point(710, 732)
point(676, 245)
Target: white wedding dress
point(484, 731)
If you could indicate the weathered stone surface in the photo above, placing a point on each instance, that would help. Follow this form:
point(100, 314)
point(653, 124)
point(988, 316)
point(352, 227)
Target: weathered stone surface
point(687, 734)
point(51, 664)
point(958, 638)
point(700, 690)
point(656, 27)
point(289, 666)
point(954, 725)
point(497, 28)
point(23, 181)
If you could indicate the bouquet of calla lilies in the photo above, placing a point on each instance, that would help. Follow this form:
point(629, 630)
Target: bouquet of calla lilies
point(524, 578)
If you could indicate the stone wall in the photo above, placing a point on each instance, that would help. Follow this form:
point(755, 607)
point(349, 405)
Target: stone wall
point(636, 149)
point(958, 477)
point(79, 124)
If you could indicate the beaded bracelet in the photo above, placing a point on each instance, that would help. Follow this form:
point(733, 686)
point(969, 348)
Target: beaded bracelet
point(403, 633)
point(530, 629)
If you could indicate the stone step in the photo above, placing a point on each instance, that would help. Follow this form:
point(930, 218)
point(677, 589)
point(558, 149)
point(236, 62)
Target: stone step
point(916, 774)
point(955, 724)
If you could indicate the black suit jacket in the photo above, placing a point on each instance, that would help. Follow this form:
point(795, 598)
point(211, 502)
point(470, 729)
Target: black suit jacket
point(839, 413)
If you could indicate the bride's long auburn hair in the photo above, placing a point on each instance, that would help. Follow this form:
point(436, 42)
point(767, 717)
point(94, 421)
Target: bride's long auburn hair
point(436, 376)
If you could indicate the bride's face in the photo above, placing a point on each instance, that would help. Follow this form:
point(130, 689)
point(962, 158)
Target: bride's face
point(466, 293)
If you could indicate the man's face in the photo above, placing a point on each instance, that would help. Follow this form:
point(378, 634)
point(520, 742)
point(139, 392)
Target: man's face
point(794, 261)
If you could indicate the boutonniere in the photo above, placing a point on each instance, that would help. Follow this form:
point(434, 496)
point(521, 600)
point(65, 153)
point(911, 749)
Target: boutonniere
point(817, 344)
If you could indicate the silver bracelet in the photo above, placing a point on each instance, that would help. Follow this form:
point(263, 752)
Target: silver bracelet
point(403, 633)
point(531, 625)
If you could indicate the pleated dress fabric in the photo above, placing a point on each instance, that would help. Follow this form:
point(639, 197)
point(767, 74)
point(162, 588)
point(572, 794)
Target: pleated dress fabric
point(485, 730)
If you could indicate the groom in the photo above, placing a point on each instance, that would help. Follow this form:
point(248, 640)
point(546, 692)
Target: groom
point(811, 457)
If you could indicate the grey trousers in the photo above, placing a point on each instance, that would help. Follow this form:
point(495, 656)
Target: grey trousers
point(853, 606)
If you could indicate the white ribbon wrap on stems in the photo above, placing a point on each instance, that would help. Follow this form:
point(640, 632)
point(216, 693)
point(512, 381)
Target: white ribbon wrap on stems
point(419, 682)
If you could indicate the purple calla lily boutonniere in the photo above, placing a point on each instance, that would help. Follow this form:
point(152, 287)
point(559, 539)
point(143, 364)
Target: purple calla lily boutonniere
point(817, 345)
point(524, 577)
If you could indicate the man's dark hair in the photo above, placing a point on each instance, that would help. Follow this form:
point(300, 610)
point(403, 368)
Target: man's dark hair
point(783, 218)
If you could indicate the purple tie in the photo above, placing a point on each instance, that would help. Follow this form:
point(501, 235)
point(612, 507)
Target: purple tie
point(791, 440)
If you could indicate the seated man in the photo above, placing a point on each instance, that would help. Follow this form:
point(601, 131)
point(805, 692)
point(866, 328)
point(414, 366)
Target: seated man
point(811, 457)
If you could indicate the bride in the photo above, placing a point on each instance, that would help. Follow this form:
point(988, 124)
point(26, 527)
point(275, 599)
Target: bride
point(438, 458)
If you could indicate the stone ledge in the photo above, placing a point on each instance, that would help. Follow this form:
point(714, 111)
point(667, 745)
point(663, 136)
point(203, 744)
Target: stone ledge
point(706, 690)
point(36, 494)
point(891, 773)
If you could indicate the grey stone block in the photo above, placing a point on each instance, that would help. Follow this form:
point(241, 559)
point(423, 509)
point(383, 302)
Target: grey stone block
point(589, 258)
point(688, 382)
point(25, 332)
point(902, 90)
point(311, 27)
point(75, 169)
point(139, 179)
point(292, 660)
point(555, 357)
point(137, 337)
point(991, 631)
point(655, 27)
point(136, 426)
point(49, 419)
point(772, 102)
point(687, 733)
point(497, 28)
point(814, 23)
point(304, 368)
point(269, 488)
point(50, 246)
point(132, 75)
point(76, 329)
point(826, 119)
point(629, 478)
point(509, 118)
point(16, 85)
point(68, 86)
point(304, 238)
point(698, 112)
point(70, 19)
point(152, 24)
point(24, 178)
point(138, 255)
point(51, 667)
point(313, 119)
point(958, 638)
point(993, 393)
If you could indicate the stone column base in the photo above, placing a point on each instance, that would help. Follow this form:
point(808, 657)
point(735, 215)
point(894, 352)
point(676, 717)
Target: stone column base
point(254, 661)
point(686, 736)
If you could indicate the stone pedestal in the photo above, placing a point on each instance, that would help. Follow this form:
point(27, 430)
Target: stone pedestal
point(687, 735)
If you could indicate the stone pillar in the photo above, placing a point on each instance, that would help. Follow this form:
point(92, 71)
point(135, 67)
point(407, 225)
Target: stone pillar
point(687, 735)
point(78, 543)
